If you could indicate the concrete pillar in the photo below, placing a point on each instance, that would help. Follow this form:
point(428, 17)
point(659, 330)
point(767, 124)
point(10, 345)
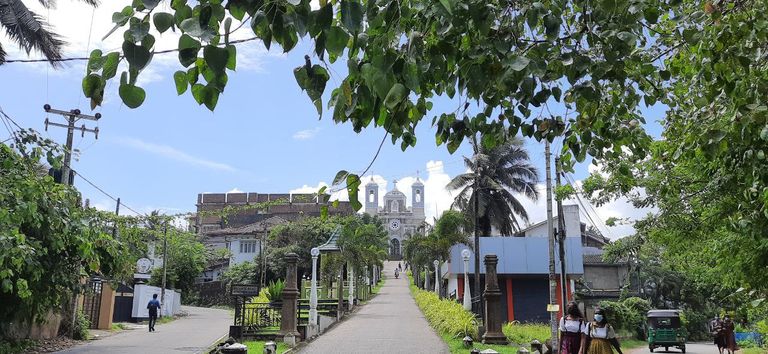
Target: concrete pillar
point(351, 295)
point(437, 277)
point(492, 295)
point(426, 278)
point(290, 294)
point(467, 294)
point(313, 292)
point(340, 307)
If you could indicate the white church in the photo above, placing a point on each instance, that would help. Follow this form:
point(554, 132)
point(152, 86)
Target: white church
point(400, 220)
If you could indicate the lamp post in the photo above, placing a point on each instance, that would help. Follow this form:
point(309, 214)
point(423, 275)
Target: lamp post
point(437, 277)
point(467, 294)
point(313, 289)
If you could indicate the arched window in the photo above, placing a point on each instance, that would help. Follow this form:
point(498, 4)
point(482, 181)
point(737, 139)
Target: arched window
point(418, 196)
point(395, 206)
point(371, 197)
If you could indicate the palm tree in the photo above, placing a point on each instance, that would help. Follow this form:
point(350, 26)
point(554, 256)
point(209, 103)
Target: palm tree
point(487, 190)
point(29, 31)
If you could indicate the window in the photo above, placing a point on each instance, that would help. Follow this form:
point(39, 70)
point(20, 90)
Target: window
point(248, 247)
point(371, 197)
point(395, 206)
point(418, 196)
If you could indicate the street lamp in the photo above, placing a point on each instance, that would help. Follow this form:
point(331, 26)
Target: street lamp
point(467, 294)
point(437, 277)
point(313, 289)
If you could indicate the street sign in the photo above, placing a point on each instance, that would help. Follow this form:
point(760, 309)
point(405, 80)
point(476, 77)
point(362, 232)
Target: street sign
point(553, 308)
point(244, 290)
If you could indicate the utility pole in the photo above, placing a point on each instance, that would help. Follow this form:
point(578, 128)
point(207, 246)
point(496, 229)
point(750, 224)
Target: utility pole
point(66, 174)
point(478, 292)
point(561, 234)
point(114, 226)
point(551, 241)
point(165, 263)
point(72, 117)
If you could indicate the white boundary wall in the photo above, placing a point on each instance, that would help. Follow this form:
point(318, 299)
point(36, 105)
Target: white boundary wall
point(142, 293)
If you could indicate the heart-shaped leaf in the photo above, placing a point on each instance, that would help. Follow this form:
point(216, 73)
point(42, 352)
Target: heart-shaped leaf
point(396, 94)
point(137, 56)
point(180, 78)
point(216, 57)
point(133, 96)
point(163, 21)
point(188, 49)
point(352, 15)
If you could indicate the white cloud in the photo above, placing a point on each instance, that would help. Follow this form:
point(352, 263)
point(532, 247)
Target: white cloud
point(235, 190)
point(174, 154)
point(306, 134)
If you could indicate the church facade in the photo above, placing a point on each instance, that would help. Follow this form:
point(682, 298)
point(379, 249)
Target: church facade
point(400, 221)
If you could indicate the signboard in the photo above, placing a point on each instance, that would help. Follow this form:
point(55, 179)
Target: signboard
point(244, 290)
point(553, 308)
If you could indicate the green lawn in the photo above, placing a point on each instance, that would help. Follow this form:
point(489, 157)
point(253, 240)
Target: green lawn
point(753, 351)
point(257, 347)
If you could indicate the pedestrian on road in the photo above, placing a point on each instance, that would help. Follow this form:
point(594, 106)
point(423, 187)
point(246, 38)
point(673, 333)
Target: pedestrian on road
point(573, 330)
point(602, 336)
point(153, 306)
point(730, 337)
point(718, 331)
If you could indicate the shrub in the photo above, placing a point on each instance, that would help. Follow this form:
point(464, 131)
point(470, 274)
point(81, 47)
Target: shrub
point(524, 333)
point(446, 316)
point(82, 324)
point(275, 290)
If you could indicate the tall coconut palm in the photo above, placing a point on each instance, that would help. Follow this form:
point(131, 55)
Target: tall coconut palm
point(29, 31)
point(495, 176)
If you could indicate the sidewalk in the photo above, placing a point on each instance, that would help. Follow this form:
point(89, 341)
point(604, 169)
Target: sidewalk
point(189, 334)
point(390, 323)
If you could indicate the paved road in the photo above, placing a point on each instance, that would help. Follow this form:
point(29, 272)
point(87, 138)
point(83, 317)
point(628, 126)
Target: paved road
point(190, 334)
point(390, 323)
point(690, 348)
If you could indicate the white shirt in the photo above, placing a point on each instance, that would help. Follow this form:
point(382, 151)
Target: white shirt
point(573, 326)
point(598, 332)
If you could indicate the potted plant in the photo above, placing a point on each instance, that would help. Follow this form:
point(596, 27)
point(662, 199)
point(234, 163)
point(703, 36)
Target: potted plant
point(275, 293)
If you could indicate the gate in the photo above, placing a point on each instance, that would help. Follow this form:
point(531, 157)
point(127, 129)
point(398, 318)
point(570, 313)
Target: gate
point(254, 318)
point(92, 302)
point(394, 250)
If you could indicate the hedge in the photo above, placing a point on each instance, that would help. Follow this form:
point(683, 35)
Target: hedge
point(446, 316)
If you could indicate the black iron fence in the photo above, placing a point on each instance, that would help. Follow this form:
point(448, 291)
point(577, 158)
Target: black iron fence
point(257, 317)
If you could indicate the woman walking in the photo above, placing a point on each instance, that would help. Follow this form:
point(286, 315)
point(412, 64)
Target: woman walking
point(602, 336)
point(573, 329)
point(718, 331)
point(730, 337)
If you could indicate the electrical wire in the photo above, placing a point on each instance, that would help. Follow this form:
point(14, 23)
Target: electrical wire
point(165, 51)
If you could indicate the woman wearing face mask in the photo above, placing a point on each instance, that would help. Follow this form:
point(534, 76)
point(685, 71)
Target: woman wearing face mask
point(573, 329)
point(602, 336)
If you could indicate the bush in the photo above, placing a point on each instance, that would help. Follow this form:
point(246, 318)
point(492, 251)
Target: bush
point(82, 324)
point(446, 316)
point(275, 290)
point(524, 333)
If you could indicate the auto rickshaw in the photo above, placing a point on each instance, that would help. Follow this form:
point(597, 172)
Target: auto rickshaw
point(664, 330)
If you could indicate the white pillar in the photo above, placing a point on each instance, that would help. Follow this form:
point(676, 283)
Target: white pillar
point(313, 290)
point(467, 294)
point(426, 278)
point(351, 286)
point(437, 276)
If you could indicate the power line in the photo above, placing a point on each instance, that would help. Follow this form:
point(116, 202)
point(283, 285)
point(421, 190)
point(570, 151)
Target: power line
point(5, 117)
point(165, 51)
point(579, 192)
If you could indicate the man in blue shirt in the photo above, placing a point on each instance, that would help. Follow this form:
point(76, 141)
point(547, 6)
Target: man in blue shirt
point(153, 306)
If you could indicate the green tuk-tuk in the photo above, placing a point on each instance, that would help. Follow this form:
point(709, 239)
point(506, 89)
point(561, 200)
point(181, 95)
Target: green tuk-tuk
point(664, 330)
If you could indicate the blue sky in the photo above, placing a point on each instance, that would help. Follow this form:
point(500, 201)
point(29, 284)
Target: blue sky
point(264, 136)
